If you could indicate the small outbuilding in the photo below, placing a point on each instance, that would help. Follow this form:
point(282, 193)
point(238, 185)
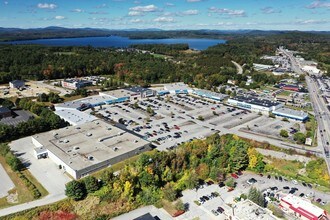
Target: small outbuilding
point(16, 84)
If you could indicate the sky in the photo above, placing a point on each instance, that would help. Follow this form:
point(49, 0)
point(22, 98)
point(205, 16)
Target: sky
point(168, 14)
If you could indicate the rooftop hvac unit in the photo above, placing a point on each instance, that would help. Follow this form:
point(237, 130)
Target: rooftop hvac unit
point(76, 148)
point(115, 148)
point(66, 141)
point(90, 158)
point(89, 134)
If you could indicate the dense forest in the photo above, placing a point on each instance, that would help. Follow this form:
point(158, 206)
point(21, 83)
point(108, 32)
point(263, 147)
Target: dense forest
point(206, 69)
point(158, 178)
point(45, 120)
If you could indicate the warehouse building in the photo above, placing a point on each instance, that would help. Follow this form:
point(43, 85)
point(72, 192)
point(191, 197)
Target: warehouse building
point(84, 149)
point(214, 96)
point(178, 88)
point(75, 83)
point(16, 84)
point(301, 208)
point(248, 210)
point(141, 91)
point(255, 104)
point(291, 114)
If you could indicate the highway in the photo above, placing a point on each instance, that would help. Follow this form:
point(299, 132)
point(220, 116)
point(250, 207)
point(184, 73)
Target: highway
point(322, 117)
point(321, 112)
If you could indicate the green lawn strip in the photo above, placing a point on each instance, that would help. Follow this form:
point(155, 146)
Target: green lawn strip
point(24, 194)
point(41, 189)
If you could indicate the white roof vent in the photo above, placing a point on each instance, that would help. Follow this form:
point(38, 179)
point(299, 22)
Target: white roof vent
point(90, 158)
point(115, 148)
point(66, 141)
point(76, 148)
point(89, 134)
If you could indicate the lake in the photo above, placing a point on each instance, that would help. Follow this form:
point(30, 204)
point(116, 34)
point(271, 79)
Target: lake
point(120, 42)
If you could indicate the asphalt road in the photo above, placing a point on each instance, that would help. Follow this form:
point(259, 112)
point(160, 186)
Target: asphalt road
point(322, 117)
point(321, 112)
point(238, 67)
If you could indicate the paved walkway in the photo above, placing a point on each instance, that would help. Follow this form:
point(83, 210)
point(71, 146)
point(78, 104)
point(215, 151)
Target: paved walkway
point(45, 201)
point(6, 183)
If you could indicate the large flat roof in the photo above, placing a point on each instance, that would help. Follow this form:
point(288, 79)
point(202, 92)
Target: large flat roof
point(253, 100)
point(137, 89)
point(209, 94)
point(303, 206)
point(248, 210)
point(74, 117)
point(95, 99)
point(290, 112)
point(176, 86)
point(75, 145)
point(118, 93)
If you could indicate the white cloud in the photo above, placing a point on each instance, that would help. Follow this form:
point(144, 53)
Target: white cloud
point(169, 4)
point(46, 6)
point(59, 17)
point(311, 21)
point(190, 12)
point(5, 2)
point(194, 0)
point(135, 13)
point(225, 11)
point(135, 20)
point(78, 10)
point(270, 10)
point(164, 19)
point(318, 4)
point(102, 6)
point(147, 8)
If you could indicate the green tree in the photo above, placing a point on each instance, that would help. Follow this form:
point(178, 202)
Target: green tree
point(256, 196)
point(13, 162)
point(179, 205)
point(169, 192)
point(200, 117)
point(299, 137)
point(75, 190)
point(150, 111)
point(284, 133)
point(230, 182)
point(91, 183)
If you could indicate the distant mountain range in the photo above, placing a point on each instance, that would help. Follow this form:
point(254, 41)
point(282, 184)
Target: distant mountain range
point(11, 34)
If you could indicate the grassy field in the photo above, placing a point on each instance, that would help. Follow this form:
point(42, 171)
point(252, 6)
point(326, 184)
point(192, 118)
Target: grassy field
point(285, 93)
point(290, 169)
point(24, 194)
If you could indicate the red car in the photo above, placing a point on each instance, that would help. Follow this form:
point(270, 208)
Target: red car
point(234, 175)
point(230, 189)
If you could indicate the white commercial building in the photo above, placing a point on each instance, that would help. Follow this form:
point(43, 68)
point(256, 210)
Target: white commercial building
point(301, 208)
point(255, 104)
point(84, 149)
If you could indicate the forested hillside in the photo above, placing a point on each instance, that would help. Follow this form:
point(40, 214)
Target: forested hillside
point(206, 69)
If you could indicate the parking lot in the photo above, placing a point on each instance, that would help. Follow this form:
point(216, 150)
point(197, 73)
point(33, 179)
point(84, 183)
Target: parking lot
point(6, 183)
point(170, 121)
point(270, 186)
point(272, 126)
point(44, 170)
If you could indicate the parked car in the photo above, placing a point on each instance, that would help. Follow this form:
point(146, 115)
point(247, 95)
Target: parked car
point(221, 184)
point(251, 181)
point(215, 212)
point(220, 209)
point(234, 175)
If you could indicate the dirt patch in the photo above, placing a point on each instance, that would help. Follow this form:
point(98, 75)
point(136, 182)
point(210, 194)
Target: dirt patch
point(12, 197)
